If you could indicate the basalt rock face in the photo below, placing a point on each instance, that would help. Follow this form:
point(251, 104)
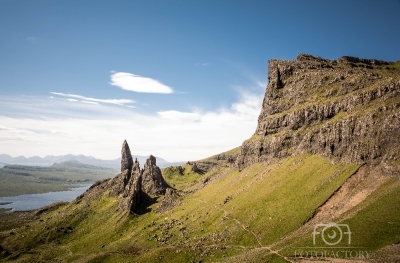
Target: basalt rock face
point(132, 192)
point(153, 183)
point(132, 183)
point(126, 160)
point(118, 183)
point(170, 200)
point(346, 109)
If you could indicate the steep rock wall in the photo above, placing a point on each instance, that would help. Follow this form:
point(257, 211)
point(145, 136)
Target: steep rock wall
point(346, 109)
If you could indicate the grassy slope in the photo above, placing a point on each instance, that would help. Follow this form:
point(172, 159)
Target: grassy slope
point(236, 217)
point(374, 223)
point(21, 179)
point(264, 204)
point(181, 181)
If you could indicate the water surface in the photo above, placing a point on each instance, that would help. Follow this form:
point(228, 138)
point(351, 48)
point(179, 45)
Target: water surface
point(35, 201)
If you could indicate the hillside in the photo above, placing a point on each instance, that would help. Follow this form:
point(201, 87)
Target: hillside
point(325, 150)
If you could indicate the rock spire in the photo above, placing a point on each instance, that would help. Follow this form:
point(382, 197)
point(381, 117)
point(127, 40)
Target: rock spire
point(126, 157)
point(152, 181)
point(132, 183)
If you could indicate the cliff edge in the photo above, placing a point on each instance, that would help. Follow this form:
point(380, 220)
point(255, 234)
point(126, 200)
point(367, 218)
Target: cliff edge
point(346, 109)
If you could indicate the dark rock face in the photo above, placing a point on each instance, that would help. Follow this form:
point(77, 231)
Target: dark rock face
point(346, 109)
point(132, 192)
point(126, 160)
point(195, 168)
point(118, 183)
point(152, 181)
point(170, 200)
point(132, 182)
point(180, 169)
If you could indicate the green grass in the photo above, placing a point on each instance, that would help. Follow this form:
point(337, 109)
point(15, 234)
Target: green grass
point(181, 181)
point(265, 204)
point(276, 202)
point(378, 224)
point(374, 224)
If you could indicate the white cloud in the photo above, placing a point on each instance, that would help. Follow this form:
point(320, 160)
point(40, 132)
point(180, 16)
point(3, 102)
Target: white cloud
point(250, 104)
point(93, 100)
point(179, 116)
point(77, 128)
point(73, 100)
point(90, 102)
point(136, 83)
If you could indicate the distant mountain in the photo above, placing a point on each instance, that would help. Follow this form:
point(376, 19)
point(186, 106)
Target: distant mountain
point(51, 159)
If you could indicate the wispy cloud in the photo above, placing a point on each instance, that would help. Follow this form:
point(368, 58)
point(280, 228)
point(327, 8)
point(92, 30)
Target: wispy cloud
point(74, 97)
point(90, 102)
point(179, 116)
point(136, 83)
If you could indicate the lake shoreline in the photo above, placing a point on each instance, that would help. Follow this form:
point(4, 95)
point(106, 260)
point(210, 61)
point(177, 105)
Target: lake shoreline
point(32, 202)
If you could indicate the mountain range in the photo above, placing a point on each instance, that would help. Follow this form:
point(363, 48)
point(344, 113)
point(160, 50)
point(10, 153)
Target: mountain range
point(51, 159)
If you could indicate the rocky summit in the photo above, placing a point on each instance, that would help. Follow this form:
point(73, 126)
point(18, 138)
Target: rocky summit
point(126, 157)
point(153, 183)
point(132, 183)
point(346, 109)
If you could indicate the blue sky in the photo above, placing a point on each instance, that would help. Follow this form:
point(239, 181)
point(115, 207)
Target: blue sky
point(179, 79)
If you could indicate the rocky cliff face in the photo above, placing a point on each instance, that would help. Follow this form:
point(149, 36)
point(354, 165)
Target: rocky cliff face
point(346, 109)
point(132, 192)
point(126, 159)
point(153, 183)
point(132, 183)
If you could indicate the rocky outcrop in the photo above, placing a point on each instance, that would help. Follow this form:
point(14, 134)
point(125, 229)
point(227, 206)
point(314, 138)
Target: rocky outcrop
point(126, 159)
point(132, 192)
point(170, 200)
point(195, 169)
point(118, 183)
point(346, 109)
point(152, 181)
point(132, 183)
point(214, 162)
point(174, 170)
